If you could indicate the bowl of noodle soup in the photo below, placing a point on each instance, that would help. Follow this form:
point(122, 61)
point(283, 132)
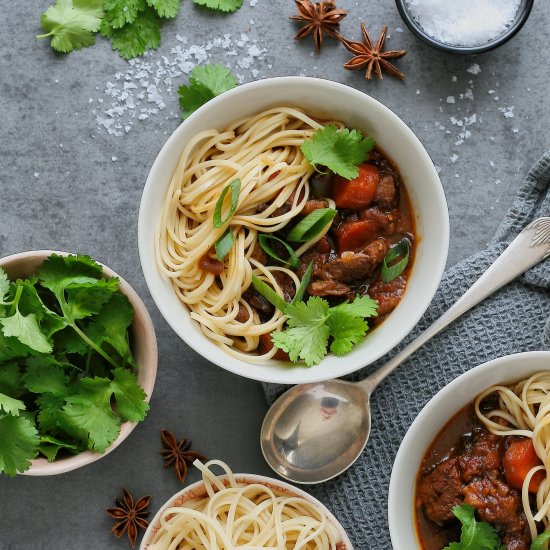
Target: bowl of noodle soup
point(256, 131)
point(467, 437)
point(233, 511)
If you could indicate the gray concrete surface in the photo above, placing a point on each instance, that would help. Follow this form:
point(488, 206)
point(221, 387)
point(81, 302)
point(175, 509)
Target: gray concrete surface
point(67, 184)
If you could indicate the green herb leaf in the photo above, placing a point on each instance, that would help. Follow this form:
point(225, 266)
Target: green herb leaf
point(235, 188)
point(10, 405)
point(134, 38)
point(307, 334)
point(12, 348)
point(293, 260)
point(121, 12)
point(538, 543)
point(362, 306)
point(4, 286)
point(312, 225)
point(26, 330)
point(10, 378)
point(45, 375)
point(341, 151)
point(71, 23)
point(205, 83)
point(224, 243)
point(301, 290)
point(269, 294)
point(392, 270)
point(57, 272)
point(227, 6)
point(89, 415)
point(50, 446)
point(165, 8)
point(475, 535)
point(345, 330)
point(129, 395)
point(18, 444)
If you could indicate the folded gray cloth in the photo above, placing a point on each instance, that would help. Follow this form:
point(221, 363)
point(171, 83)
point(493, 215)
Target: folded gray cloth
point(514, 319)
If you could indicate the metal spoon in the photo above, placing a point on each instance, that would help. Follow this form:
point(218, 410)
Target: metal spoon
point(314, 432)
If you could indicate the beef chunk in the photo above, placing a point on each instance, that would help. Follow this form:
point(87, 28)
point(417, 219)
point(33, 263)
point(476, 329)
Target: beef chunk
point(313, 204)
point(327, 288)
point(242, 316)
point(481, 454)
point(440, 491)
point(286, 284)
point(212, 265)
point(386, 222)
point(388, 295)
point(386, 192)
point(257, 301)
point(319, 259)
point(351, 266)
point(258, 254)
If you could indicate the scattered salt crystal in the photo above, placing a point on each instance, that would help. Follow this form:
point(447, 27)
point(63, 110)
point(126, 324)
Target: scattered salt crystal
point(451, 99)
point(507, 111)
point(474, 69)
point(454, 158)
point(454, 78)
point(437, 168)
point(491, 163)
point(456, 176)
point(497, 182)
point(515, 130)
point(468, 94)
point(417, 92)
point(490, 92)
point(398, 29)
point(253, 2)
point(36, 174)
point(464, 23)
point(114, 159)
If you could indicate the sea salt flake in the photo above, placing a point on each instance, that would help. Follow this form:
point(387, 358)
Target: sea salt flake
point(475, 68)
point(36, 174)
point(451, 99)
point(454, 78)
point(491, 163)
point(454, 158)
point(114, 159)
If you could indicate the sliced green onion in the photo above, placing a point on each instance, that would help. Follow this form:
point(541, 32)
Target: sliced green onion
point(224, 243)
point(390, 272)
point(301, 290)
point(235, 187)
point(268, 293)
point(311, 225)
point(293, 260)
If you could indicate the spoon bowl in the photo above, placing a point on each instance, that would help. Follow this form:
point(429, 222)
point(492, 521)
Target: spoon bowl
point(313, 432)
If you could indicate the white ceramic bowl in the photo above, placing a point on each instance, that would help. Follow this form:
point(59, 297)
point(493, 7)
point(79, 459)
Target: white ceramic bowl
point(438, 411)
point(324, 99)
point(145, 352)
point(279, 487)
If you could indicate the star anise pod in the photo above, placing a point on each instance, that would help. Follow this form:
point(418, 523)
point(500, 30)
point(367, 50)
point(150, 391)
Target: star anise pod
point(318, 18)
point(177, 453)
point(372, 57)
point(130, 516)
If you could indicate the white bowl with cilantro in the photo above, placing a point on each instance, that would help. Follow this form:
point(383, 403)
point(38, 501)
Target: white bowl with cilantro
point(324, 100)
point(428, 426)
point(78, 361)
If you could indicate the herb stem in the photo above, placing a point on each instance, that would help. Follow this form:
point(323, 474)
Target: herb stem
point(95, 347)
point(44, 35)
point(16, 299)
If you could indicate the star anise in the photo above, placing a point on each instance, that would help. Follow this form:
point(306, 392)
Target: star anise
point(372, 57)
point(318, 18)
point(130, 516)
point(177, 453)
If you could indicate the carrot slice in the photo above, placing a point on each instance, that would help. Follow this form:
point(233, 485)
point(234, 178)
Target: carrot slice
point(355, 235)
point(359, 192)
point(519, 458)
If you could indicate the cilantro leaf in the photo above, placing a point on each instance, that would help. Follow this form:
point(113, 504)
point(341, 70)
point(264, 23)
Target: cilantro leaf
point(18, 444)
point(362, 306)
point(89, 415)
point(57, 272)
point(129, 395)
point(165, 8)
point(346, 331)
point(10, 405)
point(134, 38)
point(4, 285)
point(72, 23)
point(50, 413)
point(307, 334)
point(475, 535)
point(228, 6)
point(86, 299)
point(120, 12)
point(538, 543)
point(45, 375)
point(339, 150)
point(11, 348)
point(205, 83)
point(26, 330)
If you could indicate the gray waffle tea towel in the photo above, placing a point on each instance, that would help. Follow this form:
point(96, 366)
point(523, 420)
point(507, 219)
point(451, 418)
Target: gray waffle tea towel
point(514, 319)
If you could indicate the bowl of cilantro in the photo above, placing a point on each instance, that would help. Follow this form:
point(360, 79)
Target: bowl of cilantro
point(78, 361)
point(293, 229)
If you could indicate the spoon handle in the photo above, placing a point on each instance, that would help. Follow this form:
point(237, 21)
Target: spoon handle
point(530, 247)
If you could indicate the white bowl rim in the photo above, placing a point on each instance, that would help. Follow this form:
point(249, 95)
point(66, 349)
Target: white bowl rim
point(221, 358)
point(40, 466)
point(249, 479)
point(394, 496)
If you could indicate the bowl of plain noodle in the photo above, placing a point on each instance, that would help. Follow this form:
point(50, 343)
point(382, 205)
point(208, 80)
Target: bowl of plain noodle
point(244, 148)
point(232, 511)
point(479, 444)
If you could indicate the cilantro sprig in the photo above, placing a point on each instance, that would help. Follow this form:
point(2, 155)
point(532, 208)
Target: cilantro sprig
point(342, 151)
point(65, 359)
point(314, 327)
point(205, 83)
